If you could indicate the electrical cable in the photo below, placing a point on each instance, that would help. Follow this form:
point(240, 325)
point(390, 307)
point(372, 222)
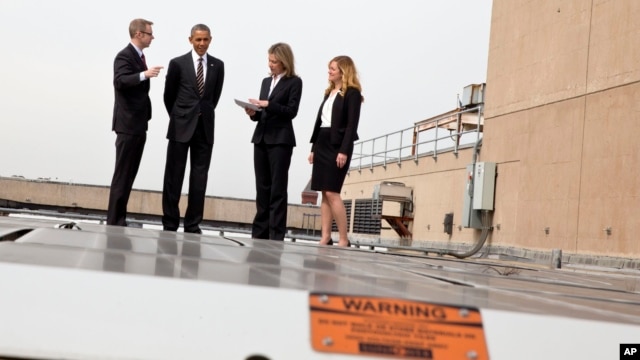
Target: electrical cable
point(485, 219)
point(486, 227)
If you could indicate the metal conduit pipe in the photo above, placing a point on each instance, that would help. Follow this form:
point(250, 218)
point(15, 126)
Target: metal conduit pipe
point(486, 227)
point(485, 219)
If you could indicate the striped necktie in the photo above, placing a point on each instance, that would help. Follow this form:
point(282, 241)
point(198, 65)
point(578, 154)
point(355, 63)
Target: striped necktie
point(200, 77)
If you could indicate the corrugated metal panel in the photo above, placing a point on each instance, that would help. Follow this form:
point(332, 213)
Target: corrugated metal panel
point(347, 208)
point(364, 220)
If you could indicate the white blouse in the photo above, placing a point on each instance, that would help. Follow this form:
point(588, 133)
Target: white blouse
point(325, 117)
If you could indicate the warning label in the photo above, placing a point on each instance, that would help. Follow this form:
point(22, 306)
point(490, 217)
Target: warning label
point(395, 328)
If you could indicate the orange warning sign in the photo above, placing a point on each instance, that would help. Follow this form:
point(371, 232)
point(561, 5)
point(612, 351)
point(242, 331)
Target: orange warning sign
point(395, 328)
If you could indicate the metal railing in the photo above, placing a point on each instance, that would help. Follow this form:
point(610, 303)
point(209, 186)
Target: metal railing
point(413, 143)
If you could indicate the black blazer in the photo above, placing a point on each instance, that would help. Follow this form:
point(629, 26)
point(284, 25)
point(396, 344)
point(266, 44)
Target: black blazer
point(345, 116)
point(184, 104)
point(132, 106)
point(275, 125)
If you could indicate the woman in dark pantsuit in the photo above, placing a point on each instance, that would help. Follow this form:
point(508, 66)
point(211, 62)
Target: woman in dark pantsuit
point(273, 141)
point(334, 133)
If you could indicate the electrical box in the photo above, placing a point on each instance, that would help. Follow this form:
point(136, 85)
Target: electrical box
point(478, 193)
point(484, 184)
point(472, 95)
point(470, 218)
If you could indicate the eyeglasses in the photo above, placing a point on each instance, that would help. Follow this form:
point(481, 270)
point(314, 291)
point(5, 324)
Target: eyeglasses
point(148, 33)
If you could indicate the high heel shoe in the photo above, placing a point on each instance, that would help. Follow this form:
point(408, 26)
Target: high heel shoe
point(330, 242)
point(348, 243)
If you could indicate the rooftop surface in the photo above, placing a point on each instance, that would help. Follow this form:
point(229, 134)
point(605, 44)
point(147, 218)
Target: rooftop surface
point(118, 283)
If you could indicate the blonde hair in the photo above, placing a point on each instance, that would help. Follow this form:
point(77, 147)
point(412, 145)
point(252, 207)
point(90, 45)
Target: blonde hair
point(284, 54)
point(349, 75)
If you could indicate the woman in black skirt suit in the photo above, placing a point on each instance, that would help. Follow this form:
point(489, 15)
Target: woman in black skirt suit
point(334, 133)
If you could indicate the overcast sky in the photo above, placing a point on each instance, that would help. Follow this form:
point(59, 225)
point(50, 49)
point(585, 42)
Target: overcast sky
point(56, 71)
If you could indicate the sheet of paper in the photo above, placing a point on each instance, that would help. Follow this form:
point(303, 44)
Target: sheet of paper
point(248, 105)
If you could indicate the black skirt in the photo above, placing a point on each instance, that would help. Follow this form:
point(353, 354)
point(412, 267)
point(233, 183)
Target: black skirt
point(326, 175)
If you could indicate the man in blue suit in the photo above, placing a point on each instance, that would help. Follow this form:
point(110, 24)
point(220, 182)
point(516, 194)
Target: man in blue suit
point(191, 93)
point(131, 113)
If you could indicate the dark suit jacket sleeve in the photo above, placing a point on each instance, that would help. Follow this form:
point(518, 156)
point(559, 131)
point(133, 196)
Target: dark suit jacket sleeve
point(219, 66)
point(171, 85)
point(285, 112)
point(264, 93)
point(132, 106)
point(126, 70)
point(351, 117)
point(278, 110)
point(316, 127)
point(274, 122)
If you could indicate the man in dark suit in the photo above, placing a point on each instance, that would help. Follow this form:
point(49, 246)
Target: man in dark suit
point(273, 141)
point(191, 93)
point(131, 112)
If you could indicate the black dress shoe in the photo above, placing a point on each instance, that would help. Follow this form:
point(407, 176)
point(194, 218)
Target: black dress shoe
point(194, 231)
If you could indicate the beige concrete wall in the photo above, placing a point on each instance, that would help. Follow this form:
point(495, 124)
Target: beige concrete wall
point(438, 188)
point(562, 120)
point(141, 201)
point(537, 53)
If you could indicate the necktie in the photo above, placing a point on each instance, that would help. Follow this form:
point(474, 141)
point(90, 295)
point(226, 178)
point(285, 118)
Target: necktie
point(144, 61)
point(200, 78)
